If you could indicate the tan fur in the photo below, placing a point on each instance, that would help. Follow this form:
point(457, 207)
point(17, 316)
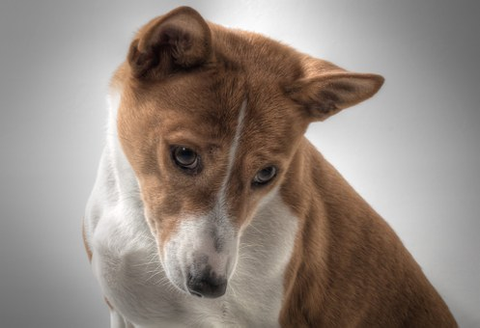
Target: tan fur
point(183, 84)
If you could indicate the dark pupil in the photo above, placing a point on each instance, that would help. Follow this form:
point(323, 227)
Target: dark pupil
point(266, 174)
point(185, 156)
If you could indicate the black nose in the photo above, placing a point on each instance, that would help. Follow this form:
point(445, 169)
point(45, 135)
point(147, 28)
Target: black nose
point(207, 285)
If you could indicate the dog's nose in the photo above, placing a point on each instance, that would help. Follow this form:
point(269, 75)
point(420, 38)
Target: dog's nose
point(207, 285)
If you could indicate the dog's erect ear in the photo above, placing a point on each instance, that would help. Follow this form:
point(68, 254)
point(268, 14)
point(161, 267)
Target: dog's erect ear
point(180, 39)
point(329, 89)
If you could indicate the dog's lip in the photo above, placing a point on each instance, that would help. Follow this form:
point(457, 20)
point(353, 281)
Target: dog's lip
point(191, 292)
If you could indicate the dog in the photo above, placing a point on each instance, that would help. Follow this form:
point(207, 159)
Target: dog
point(211, 208)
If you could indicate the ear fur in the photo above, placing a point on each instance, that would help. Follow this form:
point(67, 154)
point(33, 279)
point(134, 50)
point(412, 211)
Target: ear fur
point(176, 40)
point(327, 93)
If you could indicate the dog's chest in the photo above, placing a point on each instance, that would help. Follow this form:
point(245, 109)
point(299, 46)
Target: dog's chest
point(127, 266)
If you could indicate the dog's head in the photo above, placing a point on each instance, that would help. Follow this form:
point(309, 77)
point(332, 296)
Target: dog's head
point(210, 119)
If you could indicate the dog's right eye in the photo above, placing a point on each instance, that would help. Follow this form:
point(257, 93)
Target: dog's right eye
point(264, 176)
point(186, 159)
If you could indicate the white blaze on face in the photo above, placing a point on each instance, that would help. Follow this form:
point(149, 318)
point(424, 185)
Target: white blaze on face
point(221, 199)
point(207, 239)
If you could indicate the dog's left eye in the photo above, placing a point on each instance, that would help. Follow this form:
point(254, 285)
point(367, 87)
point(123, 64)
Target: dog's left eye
point(185, 158)
point(265, 175)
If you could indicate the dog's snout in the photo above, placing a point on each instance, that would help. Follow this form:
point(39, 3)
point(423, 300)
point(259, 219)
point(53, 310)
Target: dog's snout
point(198, 261)
point(207, 284)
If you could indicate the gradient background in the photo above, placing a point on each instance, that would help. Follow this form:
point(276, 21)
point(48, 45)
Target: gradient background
point(413, 151)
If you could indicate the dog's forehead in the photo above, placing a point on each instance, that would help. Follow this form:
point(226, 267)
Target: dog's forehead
point(208, 104)
point(203, 103)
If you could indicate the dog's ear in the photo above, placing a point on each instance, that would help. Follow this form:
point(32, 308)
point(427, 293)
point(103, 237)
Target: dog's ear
point(327, 89)
point(180, 39)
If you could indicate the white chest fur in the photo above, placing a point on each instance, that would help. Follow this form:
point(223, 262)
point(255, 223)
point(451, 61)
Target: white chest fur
point(125, 259)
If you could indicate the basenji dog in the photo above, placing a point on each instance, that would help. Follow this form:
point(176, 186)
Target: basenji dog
point(211, 208)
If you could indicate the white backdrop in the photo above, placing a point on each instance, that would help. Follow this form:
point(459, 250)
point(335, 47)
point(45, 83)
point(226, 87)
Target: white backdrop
point(413, 151)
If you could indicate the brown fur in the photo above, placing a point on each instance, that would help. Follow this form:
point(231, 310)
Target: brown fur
point(349, 269)
point(183, 84)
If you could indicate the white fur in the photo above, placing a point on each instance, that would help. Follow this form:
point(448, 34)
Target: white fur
point(194, 234)
point(127, 266)
point(193, 238)
point(231, 154)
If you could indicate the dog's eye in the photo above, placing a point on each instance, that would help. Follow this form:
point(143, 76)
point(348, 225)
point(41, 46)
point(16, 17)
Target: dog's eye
point(185, 158)
point(265, 175)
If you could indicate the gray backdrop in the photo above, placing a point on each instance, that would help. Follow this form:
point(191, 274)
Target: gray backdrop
point(413, 151)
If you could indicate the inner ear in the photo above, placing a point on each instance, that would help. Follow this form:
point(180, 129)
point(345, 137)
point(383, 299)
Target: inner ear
point(327, 94)
point(179, 39)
